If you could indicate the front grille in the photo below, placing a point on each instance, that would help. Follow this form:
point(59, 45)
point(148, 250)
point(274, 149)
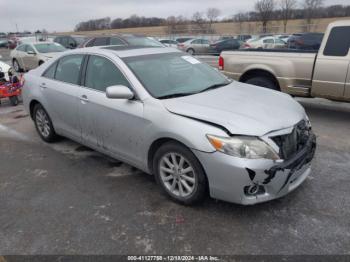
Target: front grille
point(292, 143)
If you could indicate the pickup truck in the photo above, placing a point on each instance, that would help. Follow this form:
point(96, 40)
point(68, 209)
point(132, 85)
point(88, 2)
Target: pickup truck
point(325, 73)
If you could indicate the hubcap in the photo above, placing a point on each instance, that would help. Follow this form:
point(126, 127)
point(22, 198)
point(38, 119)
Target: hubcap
point(16, 66)
point(177, 175)
point(42, 122)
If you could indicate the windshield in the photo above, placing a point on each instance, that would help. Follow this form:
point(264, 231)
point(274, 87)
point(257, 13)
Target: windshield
point(49, 48)
point(174, 74)
point(142, 41)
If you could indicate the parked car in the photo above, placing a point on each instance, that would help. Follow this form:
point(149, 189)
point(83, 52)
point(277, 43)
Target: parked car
point(4, 43)
point(195, 46)
point(29, 56)
point(305, 73)
point(70, 41)
point(170, 115)
point(265, 43)
point(169, 43)
point(121, 39)
point(183, 39)
point(307, 41)
point(230, 44)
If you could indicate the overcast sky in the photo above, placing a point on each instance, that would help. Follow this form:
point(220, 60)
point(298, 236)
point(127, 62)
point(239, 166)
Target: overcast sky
point(63, 15)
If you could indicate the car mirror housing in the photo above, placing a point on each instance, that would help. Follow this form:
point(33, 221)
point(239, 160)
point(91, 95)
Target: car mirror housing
point(119, 92)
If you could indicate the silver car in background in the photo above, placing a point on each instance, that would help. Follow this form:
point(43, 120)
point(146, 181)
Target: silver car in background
point(170, 115)
point(195, 46)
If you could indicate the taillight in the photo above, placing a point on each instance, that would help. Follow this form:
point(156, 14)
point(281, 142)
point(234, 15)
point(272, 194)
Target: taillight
point(180, 45)
point(246, 45)
point(221, 63)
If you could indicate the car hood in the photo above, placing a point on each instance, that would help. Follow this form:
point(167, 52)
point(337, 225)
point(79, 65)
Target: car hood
point(240, 108)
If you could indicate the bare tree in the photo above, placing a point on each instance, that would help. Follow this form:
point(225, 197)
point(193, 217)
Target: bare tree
point(212, 15)
point(311, 8)
point(287, 7)
point(199, 23)
point(240, 18)
point(265, 10)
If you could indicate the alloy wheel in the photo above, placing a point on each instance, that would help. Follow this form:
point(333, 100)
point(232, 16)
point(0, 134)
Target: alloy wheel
point(42, 122)
point(177, 175)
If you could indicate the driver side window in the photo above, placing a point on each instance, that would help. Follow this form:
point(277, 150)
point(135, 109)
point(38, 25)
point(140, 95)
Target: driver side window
point(102, 73)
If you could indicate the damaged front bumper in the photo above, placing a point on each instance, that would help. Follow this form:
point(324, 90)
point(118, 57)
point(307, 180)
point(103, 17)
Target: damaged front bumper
point(252, 181)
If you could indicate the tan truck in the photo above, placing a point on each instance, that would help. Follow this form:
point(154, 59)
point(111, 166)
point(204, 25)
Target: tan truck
point(324, 74)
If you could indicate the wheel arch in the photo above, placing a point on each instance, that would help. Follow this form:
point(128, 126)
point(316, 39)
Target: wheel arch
point(32, 105)
point(259, 73)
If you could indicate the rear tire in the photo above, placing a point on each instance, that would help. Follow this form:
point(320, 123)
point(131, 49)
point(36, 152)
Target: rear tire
point(180, 174)
point(263, 82)
point(190, 51)
point(43, 124)
point(14, 100)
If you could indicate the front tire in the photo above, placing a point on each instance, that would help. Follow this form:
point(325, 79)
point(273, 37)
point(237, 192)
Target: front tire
point(43, 124)
point(263, 82)
point(16, 66)
point(180, 174)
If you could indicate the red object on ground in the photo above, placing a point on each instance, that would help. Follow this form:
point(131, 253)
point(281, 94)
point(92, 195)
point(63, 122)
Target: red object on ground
point(11, 90)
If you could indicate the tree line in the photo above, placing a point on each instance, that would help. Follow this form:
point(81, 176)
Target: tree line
point(201, 22)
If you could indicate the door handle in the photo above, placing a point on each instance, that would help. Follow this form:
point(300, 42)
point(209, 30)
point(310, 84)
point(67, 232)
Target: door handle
point(84, 98)
point(43, 85)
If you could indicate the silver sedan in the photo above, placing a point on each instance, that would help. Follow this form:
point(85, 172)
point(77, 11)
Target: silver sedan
point(172, 116)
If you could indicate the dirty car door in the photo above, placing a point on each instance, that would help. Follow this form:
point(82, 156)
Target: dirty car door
point(110, 125)
point(60, 86)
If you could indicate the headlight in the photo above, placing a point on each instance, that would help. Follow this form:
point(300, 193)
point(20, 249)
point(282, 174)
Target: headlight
point(243, 147)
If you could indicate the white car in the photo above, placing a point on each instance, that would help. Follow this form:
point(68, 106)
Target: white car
point(265, 43)
point(28, 56)
point(5, 68)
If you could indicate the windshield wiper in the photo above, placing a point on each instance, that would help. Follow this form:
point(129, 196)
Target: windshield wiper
point(215, 86)
point(175, 95)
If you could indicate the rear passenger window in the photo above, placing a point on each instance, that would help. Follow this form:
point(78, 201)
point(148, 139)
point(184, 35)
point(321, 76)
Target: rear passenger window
point(338, 43)
point(90, 43)
point(50, 72)
point(116, 41)
point(102, 73)
point(101, 41)
point(68, 69)
point(268, 41)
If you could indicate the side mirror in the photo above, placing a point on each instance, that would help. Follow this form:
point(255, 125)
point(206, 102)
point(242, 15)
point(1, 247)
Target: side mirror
point(119, 92)
point(31, 53)
point(72, 45)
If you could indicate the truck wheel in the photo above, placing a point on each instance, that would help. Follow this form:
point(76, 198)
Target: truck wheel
point(14, 100)
point(180, 174)
point(263, 82)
